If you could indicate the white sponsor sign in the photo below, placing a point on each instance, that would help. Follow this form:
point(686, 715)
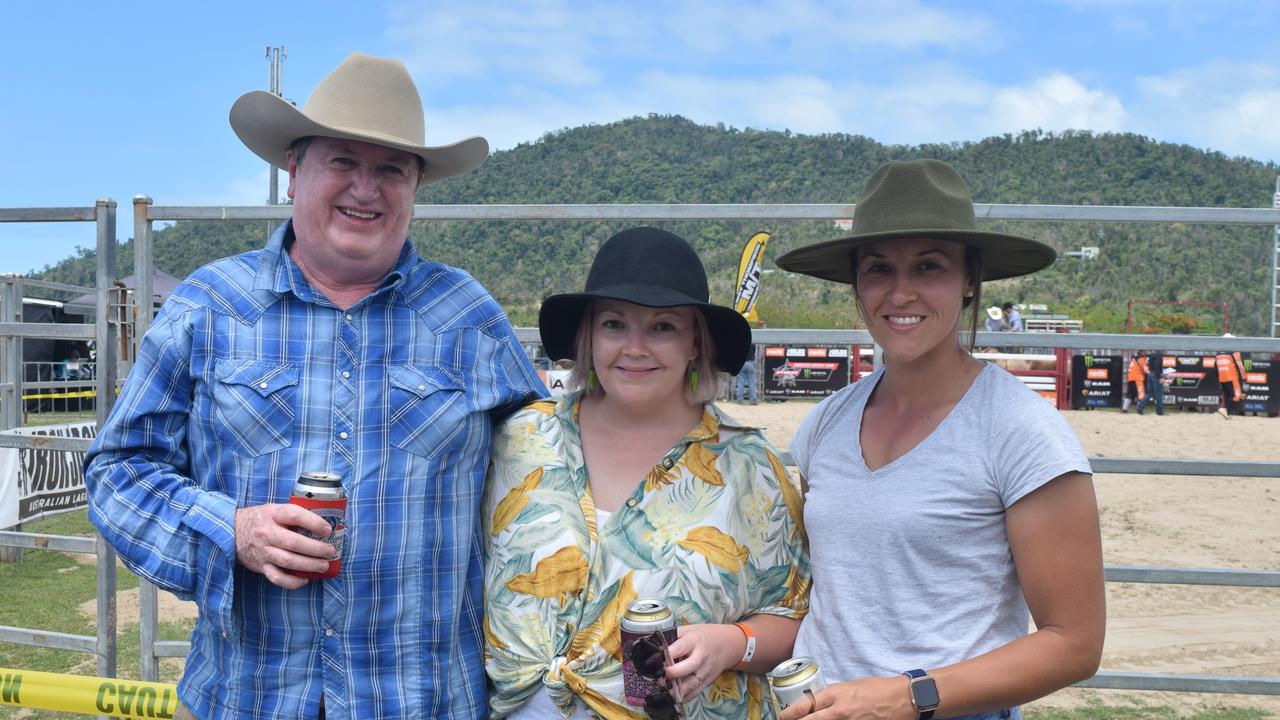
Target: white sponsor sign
point(38, 483)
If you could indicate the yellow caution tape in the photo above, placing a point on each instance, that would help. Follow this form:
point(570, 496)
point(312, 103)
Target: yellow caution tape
point(76, 394)
point(87, 695)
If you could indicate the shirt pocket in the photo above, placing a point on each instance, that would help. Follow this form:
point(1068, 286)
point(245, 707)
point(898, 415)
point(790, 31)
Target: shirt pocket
point(428, 408)
point(254, 405)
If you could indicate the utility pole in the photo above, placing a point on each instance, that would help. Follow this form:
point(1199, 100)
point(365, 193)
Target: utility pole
point(275, 58)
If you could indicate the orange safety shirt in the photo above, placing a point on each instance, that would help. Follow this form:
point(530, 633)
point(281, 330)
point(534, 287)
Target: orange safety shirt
point(1138, 370)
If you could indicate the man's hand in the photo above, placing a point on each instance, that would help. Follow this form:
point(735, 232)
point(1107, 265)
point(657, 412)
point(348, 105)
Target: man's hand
point(267, 542)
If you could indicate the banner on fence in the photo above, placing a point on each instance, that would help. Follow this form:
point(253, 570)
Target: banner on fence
point(39, 483)
point(1096, 381)
point(1262, 380)
point(805, 371)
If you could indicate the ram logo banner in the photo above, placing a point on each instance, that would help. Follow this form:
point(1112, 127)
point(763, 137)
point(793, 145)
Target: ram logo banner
point(749, 266)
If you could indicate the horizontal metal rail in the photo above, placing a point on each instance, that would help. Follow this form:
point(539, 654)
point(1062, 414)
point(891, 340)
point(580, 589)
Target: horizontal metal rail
point(48, 639)
point(757, 211)
point(1192, 576)
point(49, 214)
point(1152, 466)
point(1187, 344)
point(1174, 682)
point(50, 285)
point(57, 331)
point(60, 543)
point(45, 442)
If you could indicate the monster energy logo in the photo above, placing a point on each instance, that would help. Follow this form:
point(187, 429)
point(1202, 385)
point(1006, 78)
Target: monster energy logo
point(1088, 361)
point(1248, 365)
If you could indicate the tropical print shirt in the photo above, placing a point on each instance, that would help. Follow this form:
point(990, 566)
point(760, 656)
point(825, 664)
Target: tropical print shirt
point(715, 530)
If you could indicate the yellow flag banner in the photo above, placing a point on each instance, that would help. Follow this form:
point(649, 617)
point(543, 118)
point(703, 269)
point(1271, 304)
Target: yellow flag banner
point(749, 266)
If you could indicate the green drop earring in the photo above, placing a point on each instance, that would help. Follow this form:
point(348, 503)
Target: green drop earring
point(591, 380)
point(693, 380)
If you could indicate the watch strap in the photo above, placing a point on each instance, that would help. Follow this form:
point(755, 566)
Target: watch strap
point(926, 712)
point(750, 652)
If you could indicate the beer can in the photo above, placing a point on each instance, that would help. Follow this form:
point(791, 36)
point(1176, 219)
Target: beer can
point(641, 619)
point(322, 493)
point(791, 679)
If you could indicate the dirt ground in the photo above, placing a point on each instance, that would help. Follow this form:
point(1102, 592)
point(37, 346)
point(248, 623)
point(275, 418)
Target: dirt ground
point(1176, 521)
point(1173, 521)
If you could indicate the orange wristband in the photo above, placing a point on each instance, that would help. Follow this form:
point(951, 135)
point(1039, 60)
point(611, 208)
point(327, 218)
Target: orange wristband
point(750, 652)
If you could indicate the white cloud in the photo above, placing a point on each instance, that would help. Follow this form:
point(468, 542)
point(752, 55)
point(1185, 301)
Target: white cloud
point(1055, 102)
point(1222, 105)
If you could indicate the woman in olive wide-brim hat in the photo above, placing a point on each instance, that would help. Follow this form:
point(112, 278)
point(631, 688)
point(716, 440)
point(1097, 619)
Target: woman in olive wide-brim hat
point(636, 486)
point(947, 504)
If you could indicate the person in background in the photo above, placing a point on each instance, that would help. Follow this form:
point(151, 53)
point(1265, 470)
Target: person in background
point(1155, 384)
point(1135, 380)
point(1012, 318)
point(994, 321)
point(932, 546)
point(69, 369)
point(745, 381)
point(1231, 374)
point(334, 348)
point(633, 486)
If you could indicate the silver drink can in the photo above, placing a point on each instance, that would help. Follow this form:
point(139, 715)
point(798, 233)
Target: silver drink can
point(791, 679)
point(641, 619)
point(321, 493)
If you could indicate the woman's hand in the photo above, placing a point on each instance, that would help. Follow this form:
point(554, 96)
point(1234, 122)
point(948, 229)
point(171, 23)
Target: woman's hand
point(874, 698)
point(700, 654)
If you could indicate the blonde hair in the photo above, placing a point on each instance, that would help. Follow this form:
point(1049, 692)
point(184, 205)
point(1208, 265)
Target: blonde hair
point(704, 363)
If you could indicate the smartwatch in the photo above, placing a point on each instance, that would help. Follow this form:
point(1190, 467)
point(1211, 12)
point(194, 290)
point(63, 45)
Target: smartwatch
point(924, 693)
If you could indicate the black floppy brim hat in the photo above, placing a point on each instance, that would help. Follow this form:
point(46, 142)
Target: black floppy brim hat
point(918, 198)
point(652, 268)
point(1003, 256)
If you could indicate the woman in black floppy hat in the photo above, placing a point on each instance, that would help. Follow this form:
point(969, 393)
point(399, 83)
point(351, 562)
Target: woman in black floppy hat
point(946, 503)
point(636, 486)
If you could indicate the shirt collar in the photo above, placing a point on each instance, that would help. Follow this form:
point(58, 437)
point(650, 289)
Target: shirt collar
point(278, 273)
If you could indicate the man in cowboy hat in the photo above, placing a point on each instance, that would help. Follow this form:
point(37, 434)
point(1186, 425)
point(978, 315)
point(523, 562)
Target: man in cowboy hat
point(334, 348)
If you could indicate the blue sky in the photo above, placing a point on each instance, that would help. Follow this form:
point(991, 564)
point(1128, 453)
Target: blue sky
point(114, 99)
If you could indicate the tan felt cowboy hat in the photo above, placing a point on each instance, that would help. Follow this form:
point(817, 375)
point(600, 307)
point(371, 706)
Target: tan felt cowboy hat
point(366, 98)
point(918, 198)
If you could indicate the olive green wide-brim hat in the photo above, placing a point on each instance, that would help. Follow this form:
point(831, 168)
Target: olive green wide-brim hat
point(366, 98)
point(918, 198)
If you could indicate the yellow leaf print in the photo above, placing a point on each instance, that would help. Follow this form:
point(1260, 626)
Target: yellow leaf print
point(791, 496)
point(605, 628)
point(658, 477)
point(494, 640)
point(515, 501)
point(724, 687)
point(546, 407)
point(589, 512)
point(797, 587)
point(755, 707)
point(717, 547)
point(702, 463)
point(564, 573)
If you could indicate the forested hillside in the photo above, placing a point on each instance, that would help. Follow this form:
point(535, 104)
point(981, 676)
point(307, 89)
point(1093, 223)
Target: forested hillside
point(667, 159)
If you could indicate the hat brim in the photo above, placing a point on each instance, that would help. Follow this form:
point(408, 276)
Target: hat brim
point(1003, 256)
point(560, 316)
point(267, 124)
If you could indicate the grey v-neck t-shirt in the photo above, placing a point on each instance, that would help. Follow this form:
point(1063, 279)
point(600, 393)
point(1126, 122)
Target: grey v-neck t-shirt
point(911, 561)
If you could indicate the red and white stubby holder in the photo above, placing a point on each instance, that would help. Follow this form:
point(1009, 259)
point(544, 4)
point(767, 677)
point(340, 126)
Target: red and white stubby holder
point(322, 493)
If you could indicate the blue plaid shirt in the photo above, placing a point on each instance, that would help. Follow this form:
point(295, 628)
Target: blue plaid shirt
point(249, 377)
